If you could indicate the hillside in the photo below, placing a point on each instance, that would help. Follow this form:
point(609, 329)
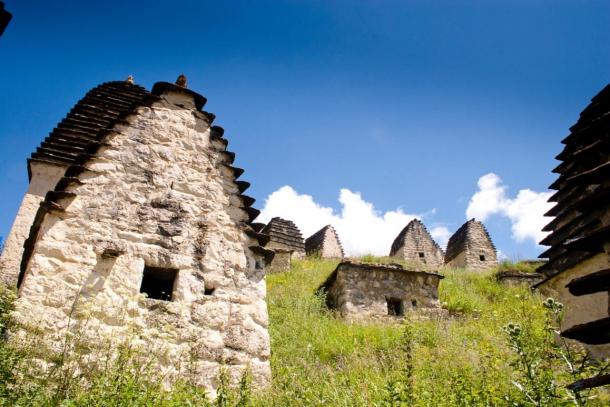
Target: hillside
point(464, 359)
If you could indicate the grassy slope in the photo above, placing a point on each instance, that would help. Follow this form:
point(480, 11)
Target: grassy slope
point(318, 359)
point(464, 360)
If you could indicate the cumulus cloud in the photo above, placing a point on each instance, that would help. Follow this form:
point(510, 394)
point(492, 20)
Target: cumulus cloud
point(362, 228)
point(525, 211)
point(441, 234)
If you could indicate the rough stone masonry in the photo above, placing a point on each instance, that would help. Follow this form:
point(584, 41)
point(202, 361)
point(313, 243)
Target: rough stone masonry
point(415, 245)
point(144, 237)
point(360, 291)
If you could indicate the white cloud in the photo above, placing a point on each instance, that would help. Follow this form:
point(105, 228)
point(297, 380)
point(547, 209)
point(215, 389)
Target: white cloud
point(525, 211)
point(441, 234)
point(502, 256)
point(361, 227)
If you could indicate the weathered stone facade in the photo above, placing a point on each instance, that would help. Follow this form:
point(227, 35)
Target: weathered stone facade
point(580, 309)
point(415, 245)
point(471, 248)
point(150, 206)
point(44, 175)
point(578, 270)
point(282, 261)
point(377, 291)
point(325, 243)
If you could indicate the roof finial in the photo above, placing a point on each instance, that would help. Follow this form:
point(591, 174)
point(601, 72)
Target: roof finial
point(181, 81)
point(129, 79)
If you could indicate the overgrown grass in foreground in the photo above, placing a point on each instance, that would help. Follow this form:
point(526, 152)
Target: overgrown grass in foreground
point(495, 349)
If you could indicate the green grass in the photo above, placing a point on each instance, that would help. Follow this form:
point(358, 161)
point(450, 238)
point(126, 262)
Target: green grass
point(522, 266)
point(464, 359)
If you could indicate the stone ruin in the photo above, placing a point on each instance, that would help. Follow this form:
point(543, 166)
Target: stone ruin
point(379, 291)
point(514, 278)
point(471, 247)
point(135, 228)
point(325, 243)
point(578, 268)
point(415, 245)
point(286, 241)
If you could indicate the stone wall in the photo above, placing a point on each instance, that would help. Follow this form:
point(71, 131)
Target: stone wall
point(517, 278)
point(477, 245)
point(156, 195)
point(580, 309)
point(281, 261)
point(44, 177)
point(362, 291)
point(331, 248)
point(278, 246)
point(417, 247)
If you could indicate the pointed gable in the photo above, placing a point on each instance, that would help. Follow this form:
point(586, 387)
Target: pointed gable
point(414, 244)
point(93, 117)
point(471, 247)
point(149, 217)
point(325, 243)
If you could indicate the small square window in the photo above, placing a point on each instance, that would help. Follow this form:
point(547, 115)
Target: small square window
point(395, 307)
point(158, 283)
point(482, 257)
point(421, 255)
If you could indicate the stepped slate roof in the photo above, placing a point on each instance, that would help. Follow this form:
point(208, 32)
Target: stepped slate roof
point(316, 241)
point(77, 138)
point(284, 233)
point(460, 239)
point(583, 187)
point(5, 17)
point(90, 120)
point(412, 227)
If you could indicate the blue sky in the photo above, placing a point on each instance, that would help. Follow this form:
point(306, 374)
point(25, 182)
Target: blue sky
point(408, 103)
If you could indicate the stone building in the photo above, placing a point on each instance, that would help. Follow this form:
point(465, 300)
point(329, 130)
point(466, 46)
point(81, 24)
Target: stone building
point(415, 245)
point(136, 229)
point(325, 243)
point(286, 241)
point(471, 248)
point(5, 17)
point(365, 291)
point(580, 231)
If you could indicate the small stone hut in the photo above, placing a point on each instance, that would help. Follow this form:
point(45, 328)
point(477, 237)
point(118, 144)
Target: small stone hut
point(135, 228)
point(286, 241)
point(579, 241)
point(415, 245)
point(5, 17)
point(325, 243)
point(365, 291)
point(471, 247)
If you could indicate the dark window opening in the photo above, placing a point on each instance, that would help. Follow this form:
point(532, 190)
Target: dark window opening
point(482, 257)
point(421, 255)
point(395, 307)
point(414, 303)
point(208, 290)
point(158, 283)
